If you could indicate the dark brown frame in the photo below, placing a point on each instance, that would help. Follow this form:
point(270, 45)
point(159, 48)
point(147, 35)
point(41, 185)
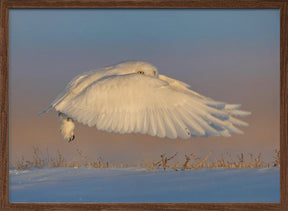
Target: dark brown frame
point(5, 5)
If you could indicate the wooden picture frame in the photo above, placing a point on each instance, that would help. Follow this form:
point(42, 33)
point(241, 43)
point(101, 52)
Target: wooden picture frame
point(282, 5)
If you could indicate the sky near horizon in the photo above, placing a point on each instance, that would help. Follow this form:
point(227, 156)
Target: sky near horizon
point(229, 55)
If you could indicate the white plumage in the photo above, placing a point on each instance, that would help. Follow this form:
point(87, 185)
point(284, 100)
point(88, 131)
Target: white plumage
point(132, 97)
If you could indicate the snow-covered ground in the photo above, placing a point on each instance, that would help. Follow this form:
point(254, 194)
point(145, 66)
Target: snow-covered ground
point(137, 185)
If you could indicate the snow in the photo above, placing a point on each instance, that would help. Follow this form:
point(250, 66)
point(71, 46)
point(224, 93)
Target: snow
point(138, 185)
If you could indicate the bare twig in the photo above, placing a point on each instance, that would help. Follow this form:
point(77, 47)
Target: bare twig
point(199, 164)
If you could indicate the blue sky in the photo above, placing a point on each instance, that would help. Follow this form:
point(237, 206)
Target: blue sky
point(90, 28)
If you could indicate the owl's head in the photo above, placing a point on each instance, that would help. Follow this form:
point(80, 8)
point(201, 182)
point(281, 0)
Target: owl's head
point(145, 68)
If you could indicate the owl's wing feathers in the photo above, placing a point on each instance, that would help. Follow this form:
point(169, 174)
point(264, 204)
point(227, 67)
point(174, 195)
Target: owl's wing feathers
point(183, 87)
point(77, 85)
point(142, 104)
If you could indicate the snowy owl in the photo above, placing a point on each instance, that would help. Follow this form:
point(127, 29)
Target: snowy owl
point(132, 97)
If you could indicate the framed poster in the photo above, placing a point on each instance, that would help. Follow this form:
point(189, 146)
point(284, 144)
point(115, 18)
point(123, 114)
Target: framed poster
point(183, 99)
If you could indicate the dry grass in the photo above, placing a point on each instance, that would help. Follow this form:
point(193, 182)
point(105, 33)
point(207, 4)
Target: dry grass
point(190, 162)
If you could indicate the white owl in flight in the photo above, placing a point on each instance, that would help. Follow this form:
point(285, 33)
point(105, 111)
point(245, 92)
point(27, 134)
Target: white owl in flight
point(132, 97)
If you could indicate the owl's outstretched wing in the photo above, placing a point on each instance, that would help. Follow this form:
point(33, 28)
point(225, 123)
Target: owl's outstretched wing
point(77, 85)
point(136, 103)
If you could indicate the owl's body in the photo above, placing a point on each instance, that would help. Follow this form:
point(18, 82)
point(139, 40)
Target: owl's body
point(132, 97)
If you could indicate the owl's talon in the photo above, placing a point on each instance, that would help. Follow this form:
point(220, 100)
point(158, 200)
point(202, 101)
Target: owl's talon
point(71, 138)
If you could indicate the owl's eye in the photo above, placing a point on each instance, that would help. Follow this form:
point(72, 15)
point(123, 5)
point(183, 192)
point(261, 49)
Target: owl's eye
point(140, 72)
point(154, 72)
